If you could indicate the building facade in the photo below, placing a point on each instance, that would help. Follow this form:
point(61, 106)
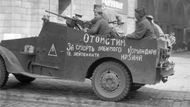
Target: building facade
point(172, 15)
point(123, 8)
point(22, 18)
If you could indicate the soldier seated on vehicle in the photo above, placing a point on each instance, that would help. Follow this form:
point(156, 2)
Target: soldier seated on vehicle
point(143, 26)
point(157, 29)
point(99, 25)
point(160, 34)
point(165, 42)
point(118, 27)
point(113, 19)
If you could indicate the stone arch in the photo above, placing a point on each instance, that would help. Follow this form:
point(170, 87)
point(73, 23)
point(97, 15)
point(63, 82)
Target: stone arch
point(151, 7)
point(187, 29)
point(179, 14)
point(165, 11)
point(165, 15)
point(179, 22)
point(188, 16)
point(148, 5)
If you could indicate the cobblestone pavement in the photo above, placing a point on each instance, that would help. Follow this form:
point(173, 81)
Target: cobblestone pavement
point(58, 93)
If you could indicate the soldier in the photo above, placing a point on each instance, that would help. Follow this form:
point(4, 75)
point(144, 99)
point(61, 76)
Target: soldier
point(143, 26)
point(108, 15)
point(170, 38)
point(157, 30)
point(99, 24)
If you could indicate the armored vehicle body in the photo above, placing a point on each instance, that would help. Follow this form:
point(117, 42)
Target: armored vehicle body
point(115, 66)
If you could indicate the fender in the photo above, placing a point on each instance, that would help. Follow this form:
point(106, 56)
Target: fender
point(11, 61)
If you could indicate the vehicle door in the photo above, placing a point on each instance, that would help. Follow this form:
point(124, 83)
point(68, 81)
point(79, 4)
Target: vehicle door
point(50, 51)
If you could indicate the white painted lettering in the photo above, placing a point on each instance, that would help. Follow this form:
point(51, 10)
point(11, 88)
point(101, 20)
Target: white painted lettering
point(86, 38)
point(113, 3)
point(97, 39)
point(91, 38)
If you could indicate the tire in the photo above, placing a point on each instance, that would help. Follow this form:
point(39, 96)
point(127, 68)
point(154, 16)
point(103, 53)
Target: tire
point(3, 73)
point(136, 86)
point(23, 78)
point(111, 81)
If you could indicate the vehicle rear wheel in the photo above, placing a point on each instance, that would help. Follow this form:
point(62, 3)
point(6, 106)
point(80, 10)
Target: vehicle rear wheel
point(111, 81)
point(23, 78)
point(3, 73)
point(136, 86)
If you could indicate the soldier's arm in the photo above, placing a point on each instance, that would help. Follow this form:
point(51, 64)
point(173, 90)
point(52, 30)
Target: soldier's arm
point(94, 28)
point(139, 32)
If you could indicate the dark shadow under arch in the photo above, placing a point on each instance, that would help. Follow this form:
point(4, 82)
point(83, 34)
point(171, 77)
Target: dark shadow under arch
point(179, 22)
point(165, 11)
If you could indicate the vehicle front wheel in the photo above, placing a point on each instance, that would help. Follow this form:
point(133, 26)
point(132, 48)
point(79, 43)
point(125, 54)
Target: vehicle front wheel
point(3, 73)
point(111, 81)
point(23, 78)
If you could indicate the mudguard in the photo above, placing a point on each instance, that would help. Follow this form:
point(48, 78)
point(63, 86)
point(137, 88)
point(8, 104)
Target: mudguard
point(11, 61)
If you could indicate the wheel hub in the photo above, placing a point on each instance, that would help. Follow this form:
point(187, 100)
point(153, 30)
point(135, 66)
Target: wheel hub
point(109, 81)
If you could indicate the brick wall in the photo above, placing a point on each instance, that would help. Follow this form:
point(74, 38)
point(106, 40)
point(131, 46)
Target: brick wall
point(23, 17)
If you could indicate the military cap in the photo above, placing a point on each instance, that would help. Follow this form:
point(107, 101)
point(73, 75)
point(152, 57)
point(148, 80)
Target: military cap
point(140, 11)
point(150, 17)
point(97, 6)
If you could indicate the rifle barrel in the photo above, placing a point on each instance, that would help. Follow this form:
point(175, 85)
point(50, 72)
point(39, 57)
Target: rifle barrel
point(65, 17)
point(77, 21)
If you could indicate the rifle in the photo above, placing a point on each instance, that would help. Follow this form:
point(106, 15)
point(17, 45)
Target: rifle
point(65, 17)
point(71, 22)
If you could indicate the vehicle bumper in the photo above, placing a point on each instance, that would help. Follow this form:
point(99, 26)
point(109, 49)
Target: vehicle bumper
point(167, 71)
point(164, 72)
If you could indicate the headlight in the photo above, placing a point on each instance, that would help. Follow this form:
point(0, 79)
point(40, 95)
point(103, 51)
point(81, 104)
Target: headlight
point(29, 49)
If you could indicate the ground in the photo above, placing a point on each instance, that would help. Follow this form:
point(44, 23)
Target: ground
point(59, 93)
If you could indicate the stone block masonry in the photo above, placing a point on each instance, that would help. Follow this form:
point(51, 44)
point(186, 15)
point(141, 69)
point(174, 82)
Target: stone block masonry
point(23, 17)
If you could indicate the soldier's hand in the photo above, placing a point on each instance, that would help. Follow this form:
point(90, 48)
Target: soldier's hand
point(85, 29)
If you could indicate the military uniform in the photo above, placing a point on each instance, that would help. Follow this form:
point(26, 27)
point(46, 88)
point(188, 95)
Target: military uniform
point(143, 29)
point(99, 27)
point(157, 30)
point(109, 15)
